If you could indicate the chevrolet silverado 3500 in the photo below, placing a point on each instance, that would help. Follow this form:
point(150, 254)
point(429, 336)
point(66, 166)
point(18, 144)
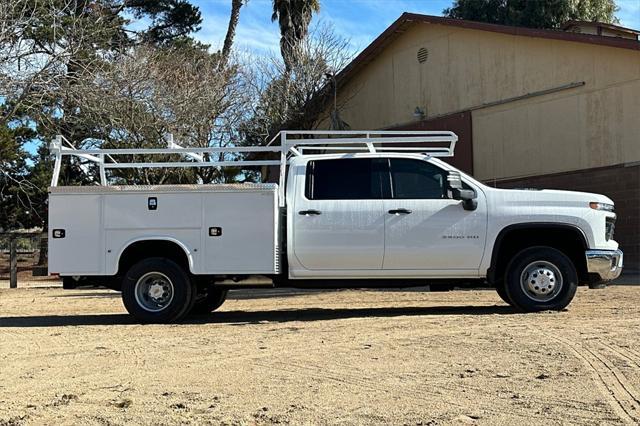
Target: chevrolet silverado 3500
point(351, 209)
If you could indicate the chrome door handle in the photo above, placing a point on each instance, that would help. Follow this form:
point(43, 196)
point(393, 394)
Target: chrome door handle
point(310, 212)
point(400, 211)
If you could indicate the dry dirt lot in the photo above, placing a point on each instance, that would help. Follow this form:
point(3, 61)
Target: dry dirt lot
point(346, 357)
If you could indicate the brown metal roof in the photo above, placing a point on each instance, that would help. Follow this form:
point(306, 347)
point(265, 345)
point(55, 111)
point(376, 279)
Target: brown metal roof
point(574, 23)
point(408, 19)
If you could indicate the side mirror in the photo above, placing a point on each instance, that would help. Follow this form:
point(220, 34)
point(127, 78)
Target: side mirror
point(457, 192)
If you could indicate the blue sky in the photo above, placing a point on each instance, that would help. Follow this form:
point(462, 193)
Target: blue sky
point(359, 21)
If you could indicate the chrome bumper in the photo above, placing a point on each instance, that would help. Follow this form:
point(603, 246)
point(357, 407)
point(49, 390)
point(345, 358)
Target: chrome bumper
point(605, 263)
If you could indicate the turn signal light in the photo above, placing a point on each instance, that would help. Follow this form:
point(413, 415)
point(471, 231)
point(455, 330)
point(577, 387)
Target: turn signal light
point(601, 206)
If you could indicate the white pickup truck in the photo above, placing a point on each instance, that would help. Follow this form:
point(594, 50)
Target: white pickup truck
point(352, 209)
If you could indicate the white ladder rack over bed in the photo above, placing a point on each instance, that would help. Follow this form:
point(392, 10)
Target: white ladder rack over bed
point(292, 143)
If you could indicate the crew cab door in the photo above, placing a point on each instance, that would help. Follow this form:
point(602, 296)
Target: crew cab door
point(338, 223)
point(424, 229)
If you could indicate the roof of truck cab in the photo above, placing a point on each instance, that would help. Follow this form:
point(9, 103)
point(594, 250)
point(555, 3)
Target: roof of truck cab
point(346, 155)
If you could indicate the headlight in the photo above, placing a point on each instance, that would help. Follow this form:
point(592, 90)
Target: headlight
point(601, 206)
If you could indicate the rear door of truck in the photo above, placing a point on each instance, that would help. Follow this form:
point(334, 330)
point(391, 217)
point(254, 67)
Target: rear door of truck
point(338, 222)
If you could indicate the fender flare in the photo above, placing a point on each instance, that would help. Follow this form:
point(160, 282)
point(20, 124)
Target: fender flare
point(175, 241)
point(497, 244)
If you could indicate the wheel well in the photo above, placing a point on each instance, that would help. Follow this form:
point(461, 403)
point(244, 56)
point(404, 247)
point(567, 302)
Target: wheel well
point(511, 240)
point(152, 248)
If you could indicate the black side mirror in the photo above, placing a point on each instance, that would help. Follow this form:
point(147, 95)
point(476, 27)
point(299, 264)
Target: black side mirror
point(457, 192)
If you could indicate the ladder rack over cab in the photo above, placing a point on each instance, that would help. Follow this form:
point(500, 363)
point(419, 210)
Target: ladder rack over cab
point(351, 208)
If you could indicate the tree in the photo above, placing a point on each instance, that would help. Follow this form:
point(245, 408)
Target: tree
point(137, 99)
point(533, 14)
point(170, 19)
point(17, 208)
point(293, 98)
point(46, 42)
point(231, 29)
point(294, 17)
point(47, 47)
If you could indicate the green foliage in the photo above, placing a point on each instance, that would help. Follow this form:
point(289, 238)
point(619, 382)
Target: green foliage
point(533, 14)
point(170, 19)
point(17, 207)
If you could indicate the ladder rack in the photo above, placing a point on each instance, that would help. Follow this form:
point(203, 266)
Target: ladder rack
point(292, 143)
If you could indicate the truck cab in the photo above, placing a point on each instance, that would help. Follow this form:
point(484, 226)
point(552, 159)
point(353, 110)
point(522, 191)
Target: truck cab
point(381, 216)
point(386, 215)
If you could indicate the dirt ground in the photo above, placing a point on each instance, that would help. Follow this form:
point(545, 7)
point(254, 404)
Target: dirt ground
point(339, 357)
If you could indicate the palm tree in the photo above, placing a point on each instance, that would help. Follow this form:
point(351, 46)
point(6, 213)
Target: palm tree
point(231, 30)
point(294, 17)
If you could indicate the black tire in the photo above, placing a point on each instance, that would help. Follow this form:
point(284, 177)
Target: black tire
point(209, 300)
point(502, 292)
point(541, 278)
point(175, 290)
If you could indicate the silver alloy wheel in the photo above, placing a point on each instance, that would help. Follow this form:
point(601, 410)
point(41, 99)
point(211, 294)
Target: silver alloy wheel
point(154, 291)
point(541, 281)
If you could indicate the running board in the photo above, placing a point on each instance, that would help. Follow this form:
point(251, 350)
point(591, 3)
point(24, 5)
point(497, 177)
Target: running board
point(247, 282)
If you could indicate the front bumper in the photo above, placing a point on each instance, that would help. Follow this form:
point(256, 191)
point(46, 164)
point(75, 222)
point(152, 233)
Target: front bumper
point(607, 264)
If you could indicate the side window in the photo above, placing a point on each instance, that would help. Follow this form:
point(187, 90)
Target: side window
point(415, 179)
point(342, 179)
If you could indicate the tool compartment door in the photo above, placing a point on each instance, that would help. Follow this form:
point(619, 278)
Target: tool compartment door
point(79, 251)
point(240, 232)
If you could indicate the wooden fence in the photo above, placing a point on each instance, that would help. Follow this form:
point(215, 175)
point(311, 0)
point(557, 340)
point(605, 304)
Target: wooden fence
point(22, 253)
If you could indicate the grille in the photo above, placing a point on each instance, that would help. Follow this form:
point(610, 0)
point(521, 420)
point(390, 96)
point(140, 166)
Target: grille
point(610, 227)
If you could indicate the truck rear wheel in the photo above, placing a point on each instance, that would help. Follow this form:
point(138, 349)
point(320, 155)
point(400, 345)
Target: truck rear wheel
point(157, 290)
point(209, 300)
point(541, 278)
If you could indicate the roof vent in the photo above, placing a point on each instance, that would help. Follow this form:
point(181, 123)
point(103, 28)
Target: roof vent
point(423, 54)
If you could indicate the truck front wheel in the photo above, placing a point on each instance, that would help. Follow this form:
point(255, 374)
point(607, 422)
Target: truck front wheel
point(502, 292)
point(157, 290)
point(541, 278)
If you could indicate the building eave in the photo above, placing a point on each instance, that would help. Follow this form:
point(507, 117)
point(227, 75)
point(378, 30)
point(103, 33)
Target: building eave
point(574, 23)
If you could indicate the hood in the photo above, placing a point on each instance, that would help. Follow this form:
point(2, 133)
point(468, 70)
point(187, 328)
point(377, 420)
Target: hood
point(550, 197)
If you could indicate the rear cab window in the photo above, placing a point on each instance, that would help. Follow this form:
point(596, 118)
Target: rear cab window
point(343, 179)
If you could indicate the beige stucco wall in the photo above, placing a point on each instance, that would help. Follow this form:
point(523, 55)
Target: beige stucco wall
point(597, 124)
point(570, 130)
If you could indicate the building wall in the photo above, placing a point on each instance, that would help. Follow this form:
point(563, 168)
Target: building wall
point(568, 130)
point(460, 124)
point(589, 126)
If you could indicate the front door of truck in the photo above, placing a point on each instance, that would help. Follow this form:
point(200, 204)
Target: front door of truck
point(338, 224)
point(424, 229)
